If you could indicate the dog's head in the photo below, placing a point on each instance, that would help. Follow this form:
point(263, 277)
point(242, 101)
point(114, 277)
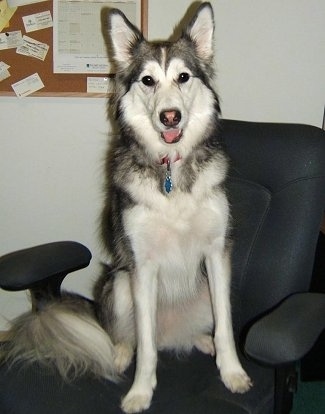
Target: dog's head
point(164, 91)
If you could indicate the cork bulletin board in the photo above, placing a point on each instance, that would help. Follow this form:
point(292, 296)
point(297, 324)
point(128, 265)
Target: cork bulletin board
point(55, 84)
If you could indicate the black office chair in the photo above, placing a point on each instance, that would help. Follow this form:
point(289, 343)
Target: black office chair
point(277, 192)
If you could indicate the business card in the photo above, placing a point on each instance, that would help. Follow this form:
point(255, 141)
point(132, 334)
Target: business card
point(27, 86)
point(96, 84)
point(33, 48)
point(10, 40)
point(38, 21)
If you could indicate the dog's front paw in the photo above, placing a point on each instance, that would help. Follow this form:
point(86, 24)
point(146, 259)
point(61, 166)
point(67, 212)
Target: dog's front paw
point(135, 402)
point(236, 381)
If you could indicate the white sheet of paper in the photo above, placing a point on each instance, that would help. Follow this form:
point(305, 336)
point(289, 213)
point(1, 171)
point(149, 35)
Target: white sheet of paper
point(78, 43)
point(10, 40)
point(33, 48)
point(38, 21)
point(27, 86)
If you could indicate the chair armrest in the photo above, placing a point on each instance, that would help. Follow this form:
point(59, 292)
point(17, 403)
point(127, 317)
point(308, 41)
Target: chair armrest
point(287, 333)
point(32, 267)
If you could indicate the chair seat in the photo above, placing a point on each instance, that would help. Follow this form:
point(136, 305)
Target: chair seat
point(188, 384)
point(276, 190)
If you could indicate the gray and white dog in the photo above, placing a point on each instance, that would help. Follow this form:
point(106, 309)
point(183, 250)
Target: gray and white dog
point(166, 225)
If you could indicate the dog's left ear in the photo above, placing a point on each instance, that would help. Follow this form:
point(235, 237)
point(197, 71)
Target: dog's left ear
point(201, 30)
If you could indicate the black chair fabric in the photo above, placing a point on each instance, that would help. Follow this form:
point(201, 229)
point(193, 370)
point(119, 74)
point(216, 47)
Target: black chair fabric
point(187, 385)
point(275, 189)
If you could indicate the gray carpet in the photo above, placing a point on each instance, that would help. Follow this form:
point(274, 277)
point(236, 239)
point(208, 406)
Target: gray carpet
point(310, 398)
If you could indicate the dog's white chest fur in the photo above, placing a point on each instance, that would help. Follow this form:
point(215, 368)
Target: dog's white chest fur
point(175, 232)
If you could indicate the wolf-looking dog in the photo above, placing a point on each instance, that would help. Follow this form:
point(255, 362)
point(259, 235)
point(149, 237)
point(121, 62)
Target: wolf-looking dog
point(166, 226)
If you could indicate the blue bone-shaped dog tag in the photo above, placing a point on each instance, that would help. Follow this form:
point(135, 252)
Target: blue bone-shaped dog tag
point(168, 179)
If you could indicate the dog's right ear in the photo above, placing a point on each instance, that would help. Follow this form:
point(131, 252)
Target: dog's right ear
point(124, 36)
point(201, 29)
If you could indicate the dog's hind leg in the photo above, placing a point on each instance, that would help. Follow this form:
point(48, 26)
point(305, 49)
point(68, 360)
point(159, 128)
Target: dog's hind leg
point(204, 343)
point(123, 356)
point(145, 302)
point(232, 374)
point(123, 321)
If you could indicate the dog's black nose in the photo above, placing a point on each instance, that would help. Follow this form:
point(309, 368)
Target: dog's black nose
point(170, 117)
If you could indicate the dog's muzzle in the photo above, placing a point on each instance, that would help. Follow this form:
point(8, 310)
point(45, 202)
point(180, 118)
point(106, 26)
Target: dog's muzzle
point(170, 118)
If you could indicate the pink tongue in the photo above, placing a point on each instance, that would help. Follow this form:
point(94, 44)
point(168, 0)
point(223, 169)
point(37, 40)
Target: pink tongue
point(171, 135)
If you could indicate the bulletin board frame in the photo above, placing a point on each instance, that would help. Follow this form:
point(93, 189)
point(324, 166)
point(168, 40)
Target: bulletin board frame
point(55, 84)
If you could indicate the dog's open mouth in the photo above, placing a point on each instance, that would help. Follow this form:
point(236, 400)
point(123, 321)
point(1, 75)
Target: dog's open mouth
point(171, 136)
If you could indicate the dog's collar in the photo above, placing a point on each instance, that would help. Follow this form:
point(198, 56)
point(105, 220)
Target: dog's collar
point(167, 160)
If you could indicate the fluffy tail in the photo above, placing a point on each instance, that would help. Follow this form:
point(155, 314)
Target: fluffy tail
point(65, 336)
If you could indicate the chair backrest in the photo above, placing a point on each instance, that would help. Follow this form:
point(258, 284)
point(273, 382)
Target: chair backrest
point(277, 193)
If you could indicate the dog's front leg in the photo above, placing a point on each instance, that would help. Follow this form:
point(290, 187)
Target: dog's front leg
point(219, 274)
point(145, 302)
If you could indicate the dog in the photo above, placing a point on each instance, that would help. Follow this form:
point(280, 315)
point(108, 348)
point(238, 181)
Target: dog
point(165, 225)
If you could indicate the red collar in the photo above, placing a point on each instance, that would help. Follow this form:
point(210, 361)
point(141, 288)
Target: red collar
point(165, 159)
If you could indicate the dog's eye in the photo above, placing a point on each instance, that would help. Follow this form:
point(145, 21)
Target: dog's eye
point(148, 81)
point(183, 77)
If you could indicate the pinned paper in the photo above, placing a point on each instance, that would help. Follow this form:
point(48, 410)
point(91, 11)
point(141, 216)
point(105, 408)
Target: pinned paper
point(10, 40)
point(27, 86)
point(100, 85)
point(3, 6)
point(4, 66)
point(38, 21)
point(33, 48)
point(6, 14)
point(18, 3)
point(4, 72)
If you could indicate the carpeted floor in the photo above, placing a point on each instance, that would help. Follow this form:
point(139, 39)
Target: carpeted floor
point(310, 398)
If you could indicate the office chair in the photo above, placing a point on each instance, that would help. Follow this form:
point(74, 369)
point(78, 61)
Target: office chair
point(276, 188)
